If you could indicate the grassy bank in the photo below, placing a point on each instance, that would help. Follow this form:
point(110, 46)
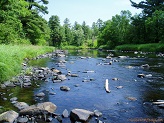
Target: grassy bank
point(154, 47)
point(11, 58)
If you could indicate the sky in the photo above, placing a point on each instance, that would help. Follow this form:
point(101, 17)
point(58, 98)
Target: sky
point(88, 10)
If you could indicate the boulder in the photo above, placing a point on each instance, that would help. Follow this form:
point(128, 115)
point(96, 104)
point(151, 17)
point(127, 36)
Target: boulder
point(81, 115)
point(46, 107)
point(8, 116)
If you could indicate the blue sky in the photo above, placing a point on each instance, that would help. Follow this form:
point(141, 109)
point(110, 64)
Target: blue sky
point(88, 10)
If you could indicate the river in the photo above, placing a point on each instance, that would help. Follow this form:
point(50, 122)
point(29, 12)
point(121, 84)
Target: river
point(130, 99)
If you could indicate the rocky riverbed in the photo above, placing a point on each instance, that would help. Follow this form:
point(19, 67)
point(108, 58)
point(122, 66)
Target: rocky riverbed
point(61, 74)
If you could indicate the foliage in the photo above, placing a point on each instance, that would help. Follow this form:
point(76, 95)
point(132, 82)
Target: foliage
point(149, 6)
point(20, 21)
point(114, 31)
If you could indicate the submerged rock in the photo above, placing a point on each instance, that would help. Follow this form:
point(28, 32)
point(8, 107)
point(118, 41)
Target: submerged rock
point(8, 116)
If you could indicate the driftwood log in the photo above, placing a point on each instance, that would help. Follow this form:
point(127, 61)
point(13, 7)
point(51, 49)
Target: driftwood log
point(107, 86)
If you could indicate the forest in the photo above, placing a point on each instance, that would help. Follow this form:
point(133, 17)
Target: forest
point(22, 22)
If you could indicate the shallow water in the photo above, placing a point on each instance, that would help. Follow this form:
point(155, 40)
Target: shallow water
point(115, 106)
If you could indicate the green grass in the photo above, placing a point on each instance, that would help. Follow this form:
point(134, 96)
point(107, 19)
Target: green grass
point(12, 56)
point(152, 47)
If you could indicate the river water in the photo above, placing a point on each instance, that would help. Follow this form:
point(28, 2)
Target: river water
point(130, 99)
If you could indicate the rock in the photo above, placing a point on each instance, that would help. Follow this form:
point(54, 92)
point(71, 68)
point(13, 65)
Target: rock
point(27, 84)
point(21, 105)
point(122, 57)
point(56, 71)
point(39, 108)
point(65, 88)
point(52, 93)
point(81, 115)
point(141, 75)
point(145, 66)
point(97, 113)
point(13, 99)
point(119, 87)
point(76, 85)
point(8, 116)
point(161, 105)
point(59, 119)
point(115, 79)
point(131, 98)
point(9, 84)
point(49, 119)
point(74, 75)
point(89, 71)
point(99, 121)
point(22, 119)
point(40, 94)
point(3, 86)
point(65, 113)
point(61, 77)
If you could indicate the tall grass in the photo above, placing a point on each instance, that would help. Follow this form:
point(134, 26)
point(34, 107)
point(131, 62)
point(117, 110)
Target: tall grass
point(11, 57)
point(152, 47)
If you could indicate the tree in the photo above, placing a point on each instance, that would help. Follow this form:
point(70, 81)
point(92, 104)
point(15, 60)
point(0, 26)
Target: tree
point(155, 27)
point(37, 30)
point(68, 32)
point(99, 24)
point(152, 9)
point(11, 30)
point(34, 26)
point(87, 31)
point(95, 31)
point(115, 32)
point(56, 36)
point(35, 5)
point(78, 35)
point(149, 6)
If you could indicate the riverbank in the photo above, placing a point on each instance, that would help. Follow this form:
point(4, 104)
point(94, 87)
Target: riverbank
point(153, 47)
point(12, 57)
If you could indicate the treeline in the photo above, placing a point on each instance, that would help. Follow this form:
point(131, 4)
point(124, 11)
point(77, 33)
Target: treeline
point(21, 21)
point(74, 35)
point(146, 27)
